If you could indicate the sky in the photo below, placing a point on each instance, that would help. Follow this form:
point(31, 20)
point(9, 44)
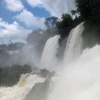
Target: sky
point(19, 17)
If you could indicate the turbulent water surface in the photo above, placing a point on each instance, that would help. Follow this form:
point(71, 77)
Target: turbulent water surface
point(80, 80)
point(19, 91)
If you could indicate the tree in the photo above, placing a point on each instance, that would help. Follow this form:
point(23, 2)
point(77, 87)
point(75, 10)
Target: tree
point(35, 36)
point(51, 22)
point(89, 9)
point(0, 70)
point(74, 12)
point(64, 25)
point(66, 20)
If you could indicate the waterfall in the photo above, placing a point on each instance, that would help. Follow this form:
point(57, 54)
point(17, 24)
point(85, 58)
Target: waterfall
point(49, 59)
point(77, 79)
point(74, 44)
point(80, 80)
point(18, 91)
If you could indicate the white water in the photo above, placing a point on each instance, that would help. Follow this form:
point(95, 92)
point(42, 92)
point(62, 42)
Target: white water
point(74, 44)
point(79, 79)
point(18, 91)
point(49, 59)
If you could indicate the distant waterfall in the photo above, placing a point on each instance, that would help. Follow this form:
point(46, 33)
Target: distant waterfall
point(74, 43)
point(49, 59)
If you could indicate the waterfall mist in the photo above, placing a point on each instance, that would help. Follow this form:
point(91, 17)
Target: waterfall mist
point(79, 80)
point(77, 75)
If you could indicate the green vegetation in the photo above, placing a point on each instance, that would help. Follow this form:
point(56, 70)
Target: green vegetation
point(9, 76)
point(65, 25)
point(51, 22)
point(5, 49)
point(89, 10)
point(11, 46)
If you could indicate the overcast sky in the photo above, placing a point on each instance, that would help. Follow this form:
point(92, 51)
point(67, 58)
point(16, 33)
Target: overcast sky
point(19, 17)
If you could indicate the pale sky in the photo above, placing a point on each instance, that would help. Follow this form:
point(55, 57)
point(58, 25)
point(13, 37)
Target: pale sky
point(19, 17)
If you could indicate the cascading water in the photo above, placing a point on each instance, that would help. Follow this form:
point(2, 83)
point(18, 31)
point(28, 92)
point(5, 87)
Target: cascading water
point(74, 44)
point(19, 91)
point(49, 59)
point(79, 77)
point(80, 80)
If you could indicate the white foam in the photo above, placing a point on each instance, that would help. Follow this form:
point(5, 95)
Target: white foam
point(80, 80)
point(18, 91)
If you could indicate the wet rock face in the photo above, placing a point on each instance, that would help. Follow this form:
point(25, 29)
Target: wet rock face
point(38, 92)
point(44, 72)
point(91, 34)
